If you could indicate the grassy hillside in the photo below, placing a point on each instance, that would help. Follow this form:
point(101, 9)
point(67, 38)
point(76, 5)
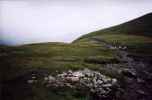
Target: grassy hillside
point(89, 51)
point(139, 26)
point(17, 62)
point(55, 56)
point(135, 34)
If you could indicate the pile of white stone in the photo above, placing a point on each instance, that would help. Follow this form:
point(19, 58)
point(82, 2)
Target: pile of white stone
point(94, 81)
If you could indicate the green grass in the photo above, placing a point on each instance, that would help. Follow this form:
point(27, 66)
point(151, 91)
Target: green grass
point(55, 56)
point(139, 26)
point(64, 93)
point(134, 43)
point(136, 34)
point(82, 53)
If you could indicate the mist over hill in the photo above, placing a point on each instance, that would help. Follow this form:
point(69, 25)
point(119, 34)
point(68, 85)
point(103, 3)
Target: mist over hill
point(36, 21)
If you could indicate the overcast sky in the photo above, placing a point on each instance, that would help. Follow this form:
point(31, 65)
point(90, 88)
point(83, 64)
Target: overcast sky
point(32, 21)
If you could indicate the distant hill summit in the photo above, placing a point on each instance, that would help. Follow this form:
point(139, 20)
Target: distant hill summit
point(138, 26)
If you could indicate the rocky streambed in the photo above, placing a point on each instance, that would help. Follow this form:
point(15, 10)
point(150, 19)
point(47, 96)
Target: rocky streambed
point(135, 71)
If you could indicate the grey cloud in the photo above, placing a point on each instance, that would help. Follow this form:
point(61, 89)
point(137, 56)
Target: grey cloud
point(63, 20)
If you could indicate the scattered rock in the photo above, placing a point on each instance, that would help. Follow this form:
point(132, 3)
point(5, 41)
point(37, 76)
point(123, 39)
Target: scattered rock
point(129, 73)
point(140, 80)
point(51, 78)
point(141, 92)
point(114, 81)
point(46, 78)
point(78, 74)
point(107, 85)
point(31, 81)
point(33, 77)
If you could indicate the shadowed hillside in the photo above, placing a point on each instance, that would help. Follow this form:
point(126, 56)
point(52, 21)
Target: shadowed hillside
point(139, 26)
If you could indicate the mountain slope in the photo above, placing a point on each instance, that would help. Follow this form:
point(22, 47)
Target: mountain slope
point(139, 26)
point(132, 41)
point(135, 34)
point(109, 51)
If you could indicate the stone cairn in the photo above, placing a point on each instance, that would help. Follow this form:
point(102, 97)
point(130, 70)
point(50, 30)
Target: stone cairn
point(93, 81)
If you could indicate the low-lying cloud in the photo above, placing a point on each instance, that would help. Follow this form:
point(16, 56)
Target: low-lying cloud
point(32, 21)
